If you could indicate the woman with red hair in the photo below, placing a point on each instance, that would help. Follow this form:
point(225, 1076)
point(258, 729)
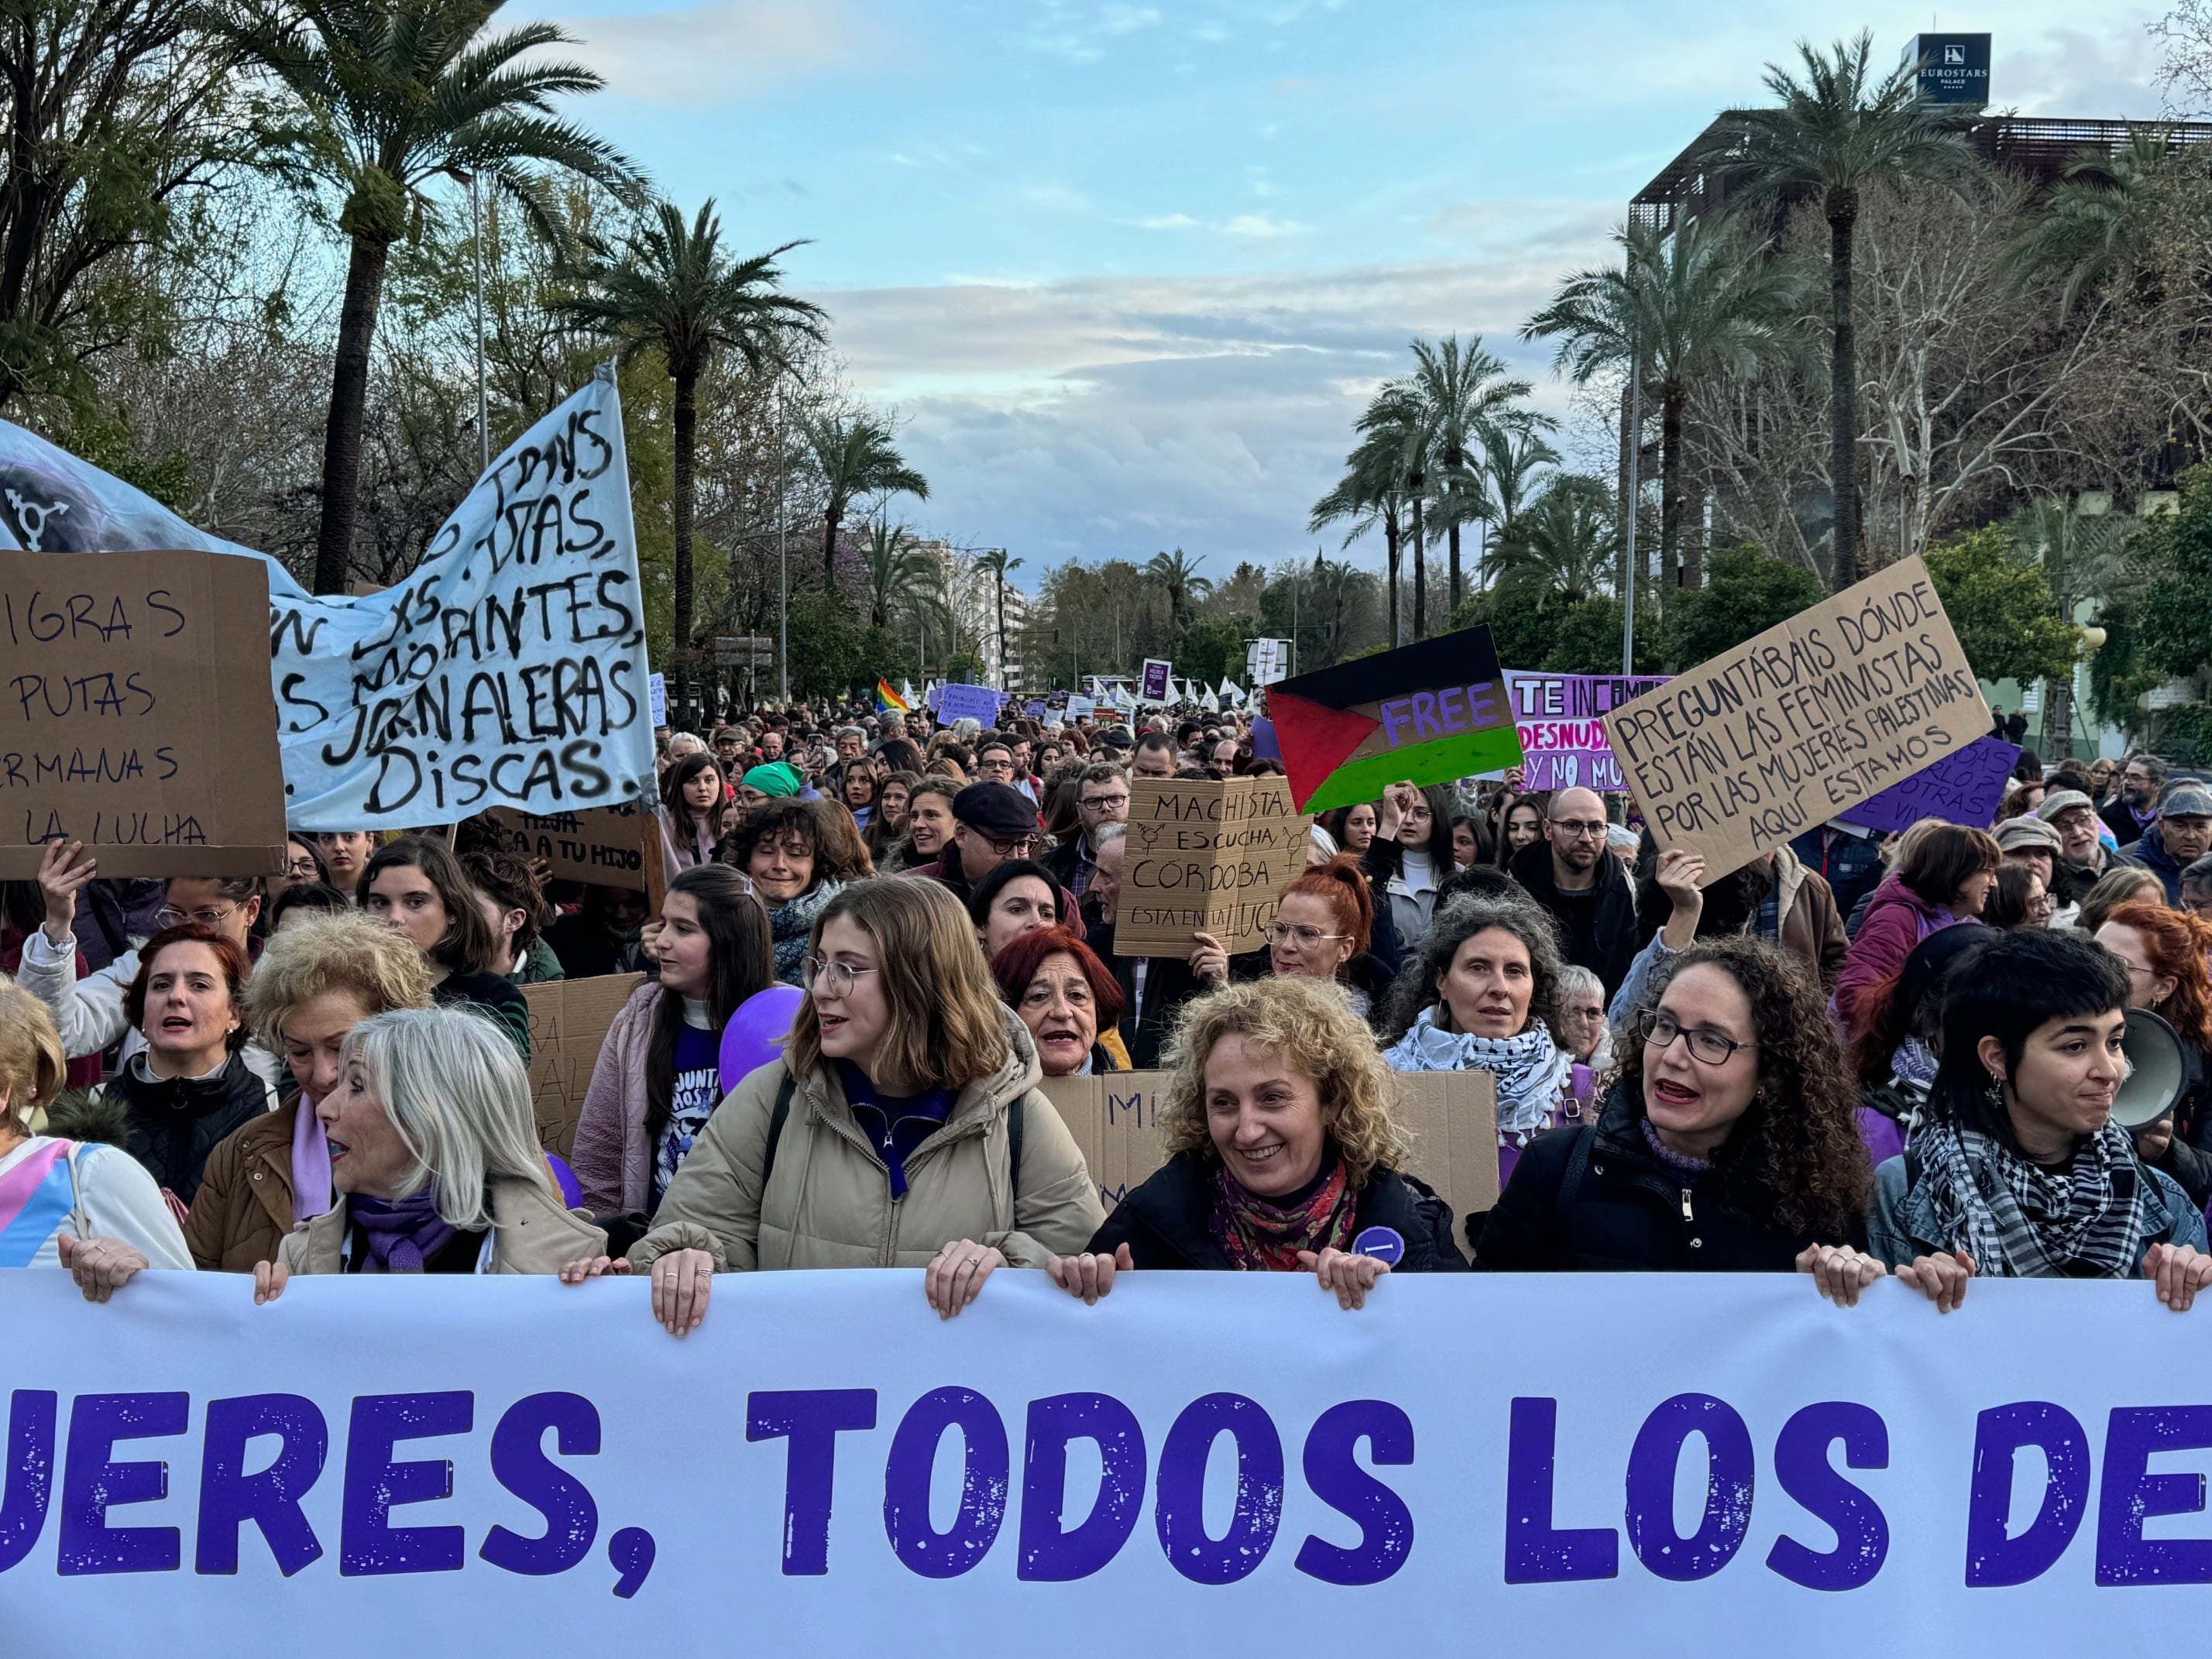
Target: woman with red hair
point(1323, 930)
point(2164, 952)
point(1067, 998)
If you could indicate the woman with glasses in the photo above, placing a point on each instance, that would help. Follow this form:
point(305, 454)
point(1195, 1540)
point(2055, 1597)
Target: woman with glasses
point(303, 864)
point(902, 1127)
point(2019, 1171)
point(1283, 1156)
point(2018, 899)
point(416, 886)
point(2164, 952)
point(1481, 995)
point(1727, 1143)
point(1323, 931)
point(798, 855)
point(1066, 997)
point(89, 1012)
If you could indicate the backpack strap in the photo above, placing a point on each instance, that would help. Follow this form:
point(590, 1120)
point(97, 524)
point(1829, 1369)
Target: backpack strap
point(775, 1122)
point(1016, 1117)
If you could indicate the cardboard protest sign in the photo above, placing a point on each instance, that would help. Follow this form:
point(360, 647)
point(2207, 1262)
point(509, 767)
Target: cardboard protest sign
point(1206, 857)
point(1965, 786)
point(509, 670)
point(1802, 723)
point(1153, 686)
point(967, 702)
point(1423, 713)
point(568, 1021)
point(603, 846)
point(1453, 1117)
point(1560, 719)
point(135, 714)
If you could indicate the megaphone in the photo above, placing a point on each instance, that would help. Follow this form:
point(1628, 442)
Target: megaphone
point(2156, 1071)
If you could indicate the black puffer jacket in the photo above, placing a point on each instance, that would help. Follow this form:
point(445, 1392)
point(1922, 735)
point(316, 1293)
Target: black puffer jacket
point(1596, 1199)
point(176, 1121)
point(1164, 1222)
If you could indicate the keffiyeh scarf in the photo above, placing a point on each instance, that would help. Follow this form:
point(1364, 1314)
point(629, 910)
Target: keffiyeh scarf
point(2019, 1220)
point(1530, 1069)
point(792, 925)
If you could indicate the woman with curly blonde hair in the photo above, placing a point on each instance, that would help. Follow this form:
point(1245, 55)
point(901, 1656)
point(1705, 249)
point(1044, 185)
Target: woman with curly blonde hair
point(1283, 1154)
point(1727, 1143)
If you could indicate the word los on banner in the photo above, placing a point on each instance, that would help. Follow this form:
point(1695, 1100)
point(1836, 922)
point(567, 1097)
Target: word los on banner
point(2001, 1547)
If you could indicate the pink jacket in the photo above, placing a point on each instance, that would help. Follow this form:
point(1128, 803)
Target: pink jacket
point(1897, 918)
point(612, 1156)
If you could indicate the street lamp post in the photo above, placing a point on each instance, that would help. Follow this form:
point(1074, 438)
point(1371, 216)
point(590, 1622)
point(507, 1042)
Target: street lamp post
point(483, 417)
point(782, 558)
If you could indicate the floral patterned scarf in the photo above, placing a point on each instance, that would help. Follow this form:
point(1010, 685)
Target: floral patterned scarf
point(1259, 1235)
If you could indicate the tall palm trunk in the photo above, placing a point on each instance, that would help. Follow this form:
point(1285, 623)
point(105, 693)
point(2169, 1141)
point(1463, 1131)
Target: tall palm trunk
point(349, 405)
point(1421, 570)
point(1843, 212)
point(1453, 459)
point(1672, 401)
point(687, 428)
point(1390, 546)
point(832, 516)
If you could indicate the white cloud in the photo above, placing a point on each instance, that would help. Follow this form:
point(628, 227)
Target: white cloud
point(715, 53)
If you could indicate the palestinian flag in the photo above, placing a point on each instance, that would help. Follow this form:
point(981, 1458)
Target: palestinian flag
point(1423, 713)
point(888, 701)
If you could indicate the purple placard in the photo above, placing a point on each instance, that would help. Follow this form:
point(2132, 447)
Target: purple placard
point(1965, 786)
point(960, 702)
point(1156, 680)
point(1034, 708)
point(1561, 721)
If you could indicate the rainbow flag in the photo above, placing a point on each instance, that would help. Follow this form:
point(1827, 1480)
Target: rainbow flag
point(887, 700)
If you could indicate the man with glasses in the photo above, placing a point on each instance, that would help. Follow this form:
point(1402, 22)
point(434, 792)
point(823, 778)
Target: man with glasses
point(1588, 893)
point(2132, 807)
point(992, 824)
point(1102, 797)
point(89, 1011)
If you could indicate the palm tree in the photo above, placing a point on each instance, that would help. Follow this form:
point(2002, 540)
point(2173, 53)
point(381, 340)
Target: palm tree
point(1371, 496)
point(994, 560)
point(1840, 132)
point(857, 459)
point(1465, 395)
point(1564, 544)
point(1176, 575)
point(1404, 425)
point(385, 96)
point(1678, 307)
point(2098, 221)
point(673, 291)
point(1513, 457)
point(897, 576)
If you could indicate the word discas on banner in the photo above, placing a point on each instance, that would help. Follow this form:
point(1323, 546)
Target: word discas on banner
point(465, 1465)
point(135, 717)
point(1561, 721)
point(1428, 712)
point(509, 670)
point(1206, 857)
point(1802, 723)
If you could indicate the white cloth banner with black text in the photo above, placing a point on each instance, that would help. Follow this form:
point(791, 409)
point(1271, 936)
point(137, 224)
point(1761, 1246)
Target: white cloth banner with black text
point(507, 670)
point(1208, 1463)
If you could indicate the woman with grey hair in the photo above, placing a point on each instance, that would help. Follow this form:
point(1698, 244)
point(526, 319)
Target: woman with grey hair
point(434, 1161)
point(1481, 994)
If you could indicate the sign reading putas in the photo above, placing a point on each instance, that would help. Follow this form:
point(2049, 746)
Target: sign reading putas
point(509, 670)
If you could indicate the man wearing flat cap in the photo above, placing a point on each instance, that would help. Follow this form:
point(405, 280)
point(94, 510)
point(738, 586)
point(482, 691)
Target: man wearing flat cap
point(991, 824)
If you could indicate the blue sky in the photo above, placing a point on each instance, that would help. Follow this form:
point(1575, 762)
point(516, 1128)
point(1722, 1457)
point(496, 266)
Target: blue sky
point(1126, 272)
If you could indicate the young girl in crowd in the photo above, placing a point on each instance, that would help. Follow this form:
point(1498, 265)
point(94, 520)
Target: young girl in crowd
point(415, 884)
point(658, 1079)
point(691, 798)
point(901, 1128)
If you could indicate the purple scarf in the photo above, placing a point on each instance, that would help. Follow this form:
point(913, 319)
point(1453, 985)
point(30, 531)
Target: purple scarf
point(402, 1235)
point(311, 1164)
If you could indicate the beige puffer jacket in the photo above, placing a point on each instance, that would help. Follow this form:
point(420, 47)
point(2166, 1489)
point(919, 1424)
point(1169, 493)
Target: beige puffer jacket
point(831, 1204)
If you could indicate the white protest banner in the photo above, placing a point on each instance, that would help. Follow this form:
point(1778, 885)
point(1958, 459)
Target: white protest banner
point(1544, 1463)
point(1802, 722)
point(509, 670)
point(656, 697)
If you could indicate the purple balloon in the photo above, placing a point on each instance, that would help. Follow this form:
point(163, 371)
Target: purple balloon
point(756, 1032)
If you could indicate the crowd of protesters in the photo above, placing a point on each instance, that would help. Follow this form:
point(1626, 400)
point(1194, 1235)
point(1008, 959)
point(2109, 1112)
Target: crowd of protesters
point(1857, 1055)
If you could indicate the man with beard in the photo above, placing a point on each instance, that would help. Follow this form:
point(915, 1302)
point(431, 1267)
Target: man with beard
point(1588, 893)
